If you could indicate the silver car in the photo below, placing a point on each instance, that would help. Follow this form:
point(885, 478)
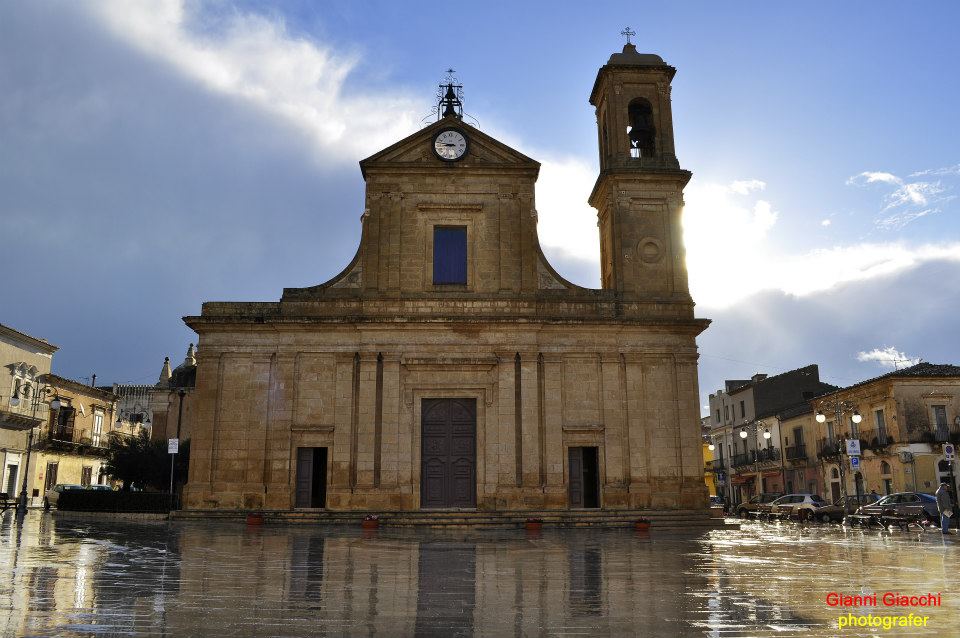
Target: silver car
point(802, 506)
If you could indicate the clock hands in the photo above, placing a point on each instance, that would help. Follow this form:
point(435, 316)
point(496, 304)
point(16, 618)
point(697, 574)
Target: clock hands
point(449, 145)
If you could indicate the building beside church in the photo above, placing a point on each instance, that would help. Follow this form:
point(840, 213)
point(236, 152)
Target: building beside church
point(26, 361)
point(449, 365)
point(171, 399)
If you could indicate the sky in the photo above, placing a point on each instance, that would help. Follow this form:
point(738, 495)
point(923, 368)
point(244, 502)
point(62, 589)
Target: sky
point(156, 155)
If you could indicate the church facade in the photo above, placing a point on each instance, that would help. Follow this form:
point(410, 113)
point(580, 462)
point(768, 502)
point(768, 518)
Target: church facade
point(449, 365)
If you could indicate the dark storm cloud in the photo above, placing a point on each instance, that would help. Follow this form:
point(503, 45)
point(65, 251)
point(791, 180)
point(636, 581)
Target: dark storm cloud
point(916, 311)
point(130, 192)
point(129, 195)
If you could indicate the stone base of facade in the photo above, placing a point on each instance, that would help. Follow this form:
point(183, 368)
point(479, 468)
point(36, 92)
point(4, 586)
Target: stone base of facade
point(695, 520)
point(688, 493)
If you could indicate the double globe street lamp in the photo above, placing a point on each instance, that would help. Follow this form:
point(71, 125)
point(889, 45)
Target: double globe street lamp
point(756, 456)
point(840, 408)
point(35, 402)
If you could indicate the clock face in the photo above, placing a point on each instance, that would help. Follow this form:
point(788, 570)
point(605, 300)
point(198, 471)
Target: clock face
point(450, 145)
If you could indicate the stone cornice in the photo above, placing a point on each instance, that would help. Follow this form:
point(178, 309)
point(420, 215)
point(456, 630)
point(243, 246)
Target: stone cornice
point(40, 344)
point(692, 327)
point(63, 383)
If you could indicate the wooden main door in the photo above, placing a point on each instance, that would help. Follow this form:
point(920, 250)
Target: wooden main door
point(448, 458)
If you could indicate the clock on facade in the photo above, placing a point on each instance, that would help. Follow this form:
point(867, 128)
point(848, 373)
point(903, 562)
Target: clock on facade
point(450, 145)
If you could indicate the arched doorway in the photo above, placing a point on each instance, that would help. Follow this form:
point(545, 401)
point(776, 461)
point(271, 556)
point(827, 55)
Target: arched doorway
point(886, 478)
point(834, 485)
point(858, 481)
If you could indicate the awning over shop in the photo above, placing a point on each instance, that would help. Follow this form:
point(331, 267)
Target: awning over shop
point(740, 479)
point(771, 474)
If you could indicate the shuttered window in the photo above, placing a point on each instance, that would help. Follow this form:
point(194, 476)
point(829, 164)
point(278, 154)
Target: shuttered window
point(450, 255)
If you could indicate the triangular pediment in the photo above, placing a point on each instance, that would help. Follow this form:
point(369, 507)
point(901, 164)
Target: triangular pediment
point(416, 151)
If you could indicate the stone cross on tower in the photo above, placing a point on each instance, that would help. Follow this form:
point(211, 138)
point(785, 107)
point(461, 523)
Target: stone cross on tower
point(628, 32)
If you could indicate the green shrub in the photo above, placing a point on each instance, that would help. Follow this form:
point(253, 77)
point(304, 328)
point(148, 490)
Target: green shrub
point(104, 501)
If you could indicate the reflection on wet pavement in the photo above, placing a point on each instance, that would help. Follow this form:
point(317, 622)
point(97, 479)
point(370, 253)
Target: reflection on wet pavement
point(81, 578)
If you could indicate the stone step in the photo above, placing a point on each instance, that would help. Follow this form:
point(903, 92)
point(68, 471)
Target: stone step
point(660, 519)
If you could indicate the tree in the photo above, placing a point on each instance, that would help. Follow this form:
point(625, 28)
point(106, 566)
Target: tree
point(136, 460)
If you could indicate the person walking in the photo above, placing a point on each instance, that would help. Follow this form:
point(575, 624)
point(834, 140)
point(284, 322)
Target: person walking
point(945, 505)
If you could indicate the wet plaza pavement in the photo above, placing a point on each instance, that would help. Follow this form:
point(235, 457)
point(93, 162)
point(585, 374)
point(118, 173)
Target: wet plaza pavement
point(77, 577)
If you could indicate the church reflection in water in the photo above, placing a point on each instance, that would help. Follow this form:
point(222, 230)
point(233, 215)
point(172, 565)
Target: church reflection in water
point(429, 582)
point(81, 578)
point(306, 581)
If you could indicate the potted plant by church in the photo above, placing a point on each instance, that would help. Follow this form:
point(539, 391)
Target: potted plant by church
point(370, 521)
point(534, 524)
point(255, 518)
point(642, 524)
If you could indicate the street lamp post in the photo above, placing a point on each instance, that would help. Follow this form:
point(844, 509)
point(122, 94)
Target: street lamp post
point(756, 454)
point(743, 435)
point(783, 454)
point(180, 393)
point(35, 402)
point(766, 437)
point(839, 409)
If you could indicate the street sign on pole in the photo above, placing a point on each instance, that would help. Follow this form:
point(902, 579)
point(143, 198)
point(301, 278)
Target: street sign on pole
point(949, 451)
point(173, 446)
point(855, 463)
point(853, 447)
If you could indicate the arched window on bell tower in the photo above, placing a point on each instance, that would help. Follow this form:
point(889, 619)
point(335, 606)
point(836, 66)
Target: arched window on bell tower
point(641, 131)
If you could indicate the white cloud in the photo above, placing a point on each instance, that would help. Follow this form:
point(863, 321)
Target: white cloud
point(899, 220)
point(909, 200)
point(825, 222)
point(255, 59)
point(747, 186)
point(946, 170)
point(870, 177)
point(730, 253)
point(728, 237)
point(565, 219)
point(888, 357)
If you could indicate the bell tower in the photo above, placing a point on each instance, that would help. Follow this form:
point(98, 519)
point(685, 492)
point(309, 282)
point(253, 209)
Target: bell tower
point(639, 193)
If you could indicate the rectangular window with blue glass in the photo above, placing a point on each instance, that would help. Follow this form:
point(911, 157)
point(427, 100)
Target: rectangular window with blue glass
point(450, 255)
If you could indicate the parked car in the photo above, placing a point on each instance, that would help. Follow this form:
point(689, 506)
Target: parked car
point(51, 496)
point(759, 504)
point(904, 504)
point(801, 506)
point(835, 511)
point(100, 488)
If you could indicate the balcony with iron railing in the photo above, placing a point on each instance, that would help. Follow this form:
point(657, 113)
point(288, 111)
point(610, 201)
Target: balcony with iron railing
point(15, 419)
point(877, 439)
point(828, 447)
point(763, 455)
point(66, 438)
point(768, 454)
point(935, 433)
point(739, 460)
point(797, 452)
